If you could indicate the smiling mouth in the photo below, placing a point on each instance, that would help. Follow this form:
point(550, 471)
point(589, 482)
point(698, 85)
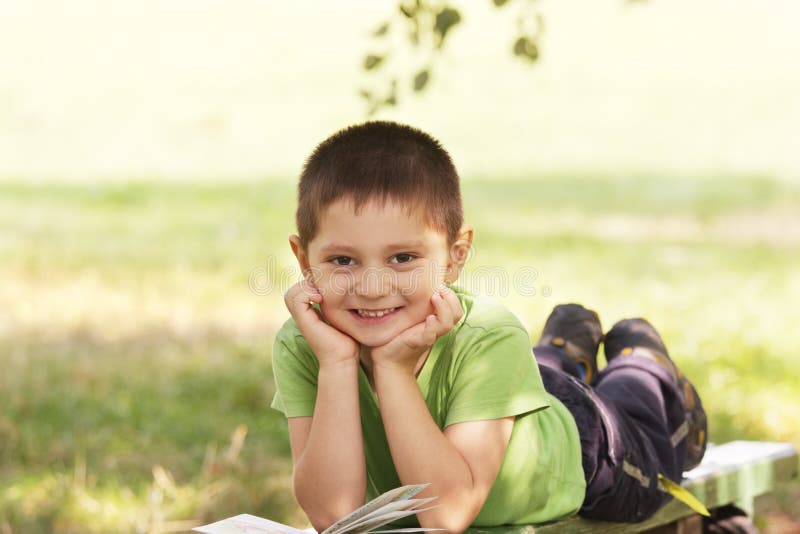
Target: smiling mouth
point(374, 313)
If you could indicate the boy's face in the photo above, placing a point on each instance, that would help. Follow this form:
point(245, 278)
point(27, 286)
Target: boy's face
point(377, 269)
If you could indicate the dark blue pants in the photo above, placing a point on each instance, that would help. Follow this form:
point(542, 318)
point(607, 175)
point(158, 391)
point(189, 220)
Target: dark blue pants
point(626, 419)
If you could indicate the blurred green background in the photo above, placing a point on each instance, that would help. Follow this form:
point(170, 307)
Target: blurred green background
point(644, 166)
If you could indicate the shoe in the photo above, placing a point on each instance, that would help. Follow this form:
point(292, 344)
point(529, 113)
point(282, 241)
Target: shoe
point(575, 332)
point(637, 337)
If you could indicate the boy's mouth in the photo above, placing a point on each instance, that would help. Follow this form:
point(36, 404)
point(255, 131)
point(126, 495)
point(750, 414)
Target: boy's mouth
point(373, 314)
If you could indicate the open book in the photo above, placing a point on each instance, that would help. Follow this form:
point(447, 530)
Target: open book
point(388, 507)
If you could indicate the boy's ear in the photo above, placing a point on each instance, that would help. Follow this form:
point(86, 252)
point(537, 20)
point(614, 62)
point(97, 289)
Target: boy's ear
point(459, 253)
point(300, 253)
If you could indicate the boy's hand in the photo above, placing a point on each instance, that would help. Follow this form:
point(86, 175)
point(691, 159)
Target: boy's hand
point(405, 350)
point(329, 344)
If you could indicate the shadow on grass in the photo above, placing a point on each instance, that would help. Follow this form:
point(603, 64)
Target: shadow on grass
point(131, 435)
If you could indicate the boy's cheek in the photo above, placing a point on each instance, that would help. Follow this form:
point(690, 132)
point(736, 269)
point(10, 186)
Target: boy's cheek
point(418, 312)
point(332, 286)
point(421, 281)
point(333, 316)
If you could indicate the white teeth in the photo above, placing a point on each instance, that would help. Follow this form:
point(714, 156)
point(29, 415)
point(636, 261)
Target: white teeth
point(375, 313)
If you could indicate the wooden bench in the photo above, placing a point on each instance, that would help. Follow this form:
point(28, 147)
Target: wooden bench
point(734, 473)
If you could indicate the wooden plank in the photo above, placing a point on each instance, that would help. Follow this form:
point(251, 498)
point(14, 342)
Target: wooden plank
point(735, 472)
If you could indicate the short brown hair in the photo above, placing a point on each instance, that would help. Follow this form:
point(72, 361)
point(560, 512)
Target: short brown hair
point(380, 160)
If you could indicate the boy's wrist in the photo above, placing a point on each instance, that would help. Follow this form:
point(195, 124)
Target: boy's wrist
point(339, 364)
point(390, 368)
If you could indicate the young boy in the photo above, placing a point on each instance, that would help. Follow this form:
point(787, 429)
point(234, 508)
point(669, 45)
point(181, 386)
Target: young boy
point(389, 375)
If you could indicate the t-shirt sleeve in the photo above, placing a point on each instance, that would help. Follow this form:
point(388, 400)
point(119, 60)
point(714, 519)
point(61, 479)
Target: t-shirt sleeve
point(497, 377)
point(295, 369)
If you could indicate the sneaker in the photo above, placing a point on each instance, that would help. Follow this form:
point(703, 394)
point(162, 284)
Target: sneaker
point(575, 332)
point(637, 337)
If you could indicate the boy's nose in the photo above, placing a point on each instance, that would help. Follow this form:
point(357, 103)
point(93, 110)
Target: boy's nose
point(374, 282)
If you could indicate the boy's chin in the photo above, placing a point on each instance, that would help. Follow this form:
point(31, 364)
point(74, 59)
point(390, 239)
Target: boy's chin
point(374, 340)
point(373, 337)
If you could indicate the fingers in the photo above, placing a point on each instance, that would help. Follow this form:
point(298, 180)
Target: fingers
point(442, 310)
point(447, 309)
point(455, 305)
point(446, 313)
point(431, 331)
point(302, 292)
point(298, 301)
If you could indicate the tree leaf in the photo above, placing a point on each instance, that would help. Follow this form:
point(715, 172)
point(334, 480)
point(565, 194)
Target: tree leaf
point(519, 46)
point(446, 19)
point(531, 50)
point(372, 61)
point(421, 80)
point(500, 3)
point(526, 48)
point(381, 30)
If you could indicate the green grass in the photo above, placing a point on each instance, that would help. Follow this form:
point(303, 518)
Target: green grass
point(136, 379)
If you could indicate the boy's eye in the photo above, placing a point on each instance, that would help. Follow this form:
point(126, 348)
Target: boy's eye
point(342, 261)
point(402, 258)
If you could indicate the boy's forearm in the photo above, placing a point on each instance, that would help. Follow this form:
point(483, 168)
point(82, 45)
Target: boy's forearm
point(422, 453)
point(330, 475)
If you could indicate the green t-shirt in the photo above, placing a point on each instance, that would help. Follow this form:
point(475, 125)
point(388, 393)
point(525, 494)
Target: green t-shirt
point(482, 369)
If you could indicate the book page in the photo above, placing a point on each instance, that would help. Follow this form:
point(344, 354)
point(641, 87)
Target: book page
point(387, 507)
point(248, 524)
point(385, 514)
point(396, 494)
point(380, 520)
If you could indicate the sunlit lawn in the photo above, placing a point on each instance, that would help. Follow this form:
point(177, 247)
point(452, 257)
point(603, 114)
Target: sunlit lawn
point(136, 323)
